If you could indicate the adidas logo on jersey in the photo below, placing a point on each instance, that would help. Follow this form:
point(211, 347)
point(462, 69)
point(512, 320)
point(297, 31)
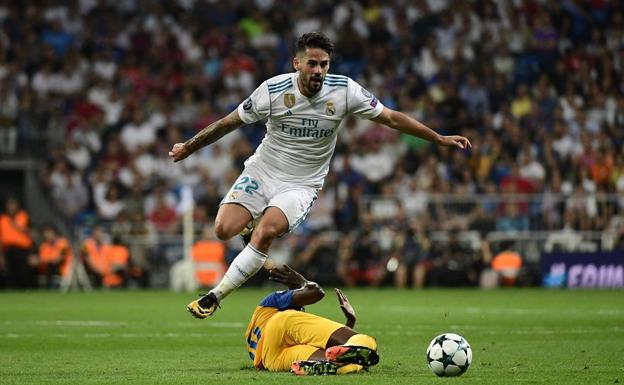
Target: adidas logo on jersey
point(288, 113)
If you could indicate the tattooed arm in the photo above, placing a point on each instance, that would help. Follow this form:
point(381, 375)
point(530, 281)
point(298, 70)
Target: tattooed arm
point(208, 135)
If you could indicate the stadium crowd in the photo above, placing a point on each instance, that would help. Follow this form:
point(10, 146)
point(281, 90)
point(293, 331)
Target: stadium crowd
point(101, 89)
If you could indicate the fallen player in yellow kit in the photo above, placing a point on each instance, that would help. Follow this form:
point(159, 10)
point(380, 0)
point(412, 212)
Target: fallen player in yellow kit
point(282, 337)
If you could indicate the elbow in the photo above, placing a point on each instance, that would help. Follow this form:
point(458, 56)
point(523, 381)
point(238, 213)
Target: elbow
point(316, 292)
point(307, 295)
point(321, 293)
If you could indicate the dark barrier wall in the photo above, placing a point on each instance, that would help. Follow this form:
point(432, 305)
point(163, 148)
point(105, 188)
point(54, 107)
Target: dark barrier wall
point(586, 270)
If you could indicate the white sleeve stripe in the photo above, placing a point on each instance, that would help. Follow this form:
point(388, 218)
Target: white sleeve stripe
point(280, 88)
point(278, 83)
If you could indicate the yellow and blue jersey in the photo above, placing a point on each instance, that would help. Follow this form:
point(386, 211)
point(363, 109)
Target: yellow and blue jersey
point(270, 305)
point(280, 332)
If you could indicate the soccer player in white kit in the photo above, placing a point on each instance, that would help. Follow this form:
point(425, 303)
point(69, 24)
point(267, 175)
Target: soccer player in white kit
point(281, 180)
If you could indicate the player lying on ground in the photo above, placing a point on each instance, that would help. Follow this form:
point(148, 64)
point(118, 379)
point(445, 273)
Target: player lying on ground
point(282, 337)
point(281, 180)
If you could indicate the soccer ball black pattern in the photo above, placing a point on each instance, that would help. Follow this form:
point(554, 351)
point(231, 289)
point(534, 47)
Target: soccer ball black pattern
point(449, 355)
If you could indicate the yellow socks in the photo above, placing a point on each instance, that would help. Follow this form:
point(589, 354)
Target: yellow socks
point(362, 340)
point(349, 368)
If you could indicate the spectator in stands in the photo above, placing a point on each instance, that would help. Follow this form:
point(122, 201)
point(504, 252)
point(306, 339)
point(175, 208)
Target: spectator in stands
point(545, 99)
point(135, 200)
point(206, 194)
point(163, 216)
point(453, 263)
point(522, 104)
point(511, 219)
point(412, 253)
point(108, 202)
point(73, 197)
point(474, 95)
point(142, 240)
point(317, 259)
point(322, 217)
point(349, 191)
point(361, 261)
point(9, 105)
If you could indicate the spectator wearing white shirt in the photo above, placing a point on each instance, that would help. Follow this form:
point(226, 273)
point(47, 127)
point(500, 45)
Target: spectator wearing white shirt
point(530, 168)
point(104, 66)
point(77, 154)
point(139, 132)
point(43, 79)
point(108, 201)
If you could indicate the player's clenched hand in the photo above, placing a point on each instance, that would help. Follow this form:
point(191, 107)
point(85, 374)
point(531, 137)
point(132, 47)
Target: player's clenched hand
point(179, 152)
point(289, 277)
point(455, 141)
point(346, 307)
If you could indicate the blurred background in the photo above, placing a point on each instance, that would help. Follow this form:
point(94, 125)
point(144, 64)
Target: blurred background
point(93, 94)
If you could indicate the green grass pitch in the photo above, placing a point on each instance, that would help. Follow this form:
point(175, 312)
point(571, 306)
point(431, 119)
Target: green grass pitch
point(517, 336)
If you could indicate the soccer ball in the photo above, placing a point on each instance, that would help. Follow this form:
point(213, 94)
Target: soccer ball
point(449, 355)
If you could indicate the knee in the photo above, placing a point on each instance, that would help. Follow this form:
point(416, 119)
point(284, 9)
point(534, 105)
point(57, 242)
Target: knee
point(267, 232)
point(224, 231)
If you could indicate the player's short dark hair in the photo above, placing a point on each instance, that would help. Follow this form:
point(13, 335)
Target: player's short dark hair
point(315, 40)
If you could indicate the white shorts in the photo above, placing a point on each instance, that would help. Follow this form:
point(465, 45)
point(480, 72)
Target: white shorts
point(256, 191)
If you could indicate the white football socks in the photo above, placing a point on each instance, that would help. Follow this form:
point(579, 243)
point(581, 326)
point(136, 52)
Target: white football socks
point(247, 263)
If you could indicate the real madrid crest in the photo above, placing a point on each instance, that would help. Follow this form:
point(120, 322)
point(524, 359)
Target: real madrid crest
point(289, 100)
point(330, 108)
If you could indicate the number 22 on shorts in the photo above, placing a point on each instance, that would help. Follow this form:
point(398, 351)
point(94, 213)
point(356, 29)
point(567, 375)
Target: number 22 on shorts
point(247, 184)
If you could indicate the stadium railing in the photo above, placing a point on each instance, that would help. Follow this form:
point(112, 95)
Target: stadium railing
point(474, 218)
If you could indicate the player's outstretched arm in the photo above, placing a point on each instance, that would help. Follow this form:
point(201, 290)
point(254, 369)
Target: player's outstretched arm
point(305, 293)
point(400, 121)
point(208, 135)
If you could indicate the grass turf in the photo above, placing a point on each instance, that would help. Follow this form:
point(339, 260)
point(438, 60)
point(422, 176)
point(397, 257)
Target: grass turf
point(517, 336)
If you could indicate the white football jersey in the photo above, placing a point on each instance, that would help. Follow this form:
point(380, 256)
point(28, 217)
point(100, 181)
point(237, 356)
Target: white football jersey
point(301, 131)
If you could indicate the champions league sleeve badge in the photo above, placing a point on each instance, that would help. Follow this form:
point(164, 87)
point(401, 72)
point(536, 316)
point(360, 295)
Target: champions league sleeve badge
point(247, 105)
point(366, 93)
